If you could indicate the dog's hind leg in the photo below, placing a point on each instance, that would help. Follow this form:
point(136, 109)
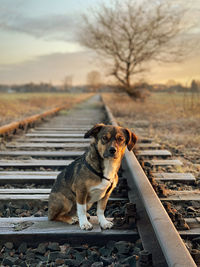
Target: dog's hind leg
point(89, 205)
point(60, 208)
point(66, 218)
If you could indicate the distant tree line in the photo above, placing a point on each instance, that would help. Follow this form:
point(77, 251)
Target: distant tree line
point(94, 85)
point(29, 87)
point(178, 87)
point(47, 87)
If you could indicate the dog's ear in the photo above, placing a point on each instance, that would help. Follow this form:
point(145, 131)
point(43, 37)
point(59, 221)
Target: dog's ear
point(94, 130)
point(131, 139)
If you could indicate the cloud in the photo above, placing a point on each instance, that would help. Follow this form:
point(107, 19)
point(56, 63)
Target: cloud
point(50, 26)
point(53, 67)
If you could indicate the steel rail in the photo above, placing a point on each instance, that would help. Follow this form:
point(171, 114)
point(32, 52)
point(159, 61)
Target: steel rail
point(11, 127)
point(171, 244)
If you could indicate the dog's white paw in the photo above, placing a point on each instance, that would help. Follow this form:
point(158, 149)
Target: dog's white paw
point(106, 224)
point(86, 226)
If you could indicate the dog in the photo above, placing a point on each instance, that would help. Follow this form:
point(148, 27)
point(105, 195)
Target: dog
point(91, 177)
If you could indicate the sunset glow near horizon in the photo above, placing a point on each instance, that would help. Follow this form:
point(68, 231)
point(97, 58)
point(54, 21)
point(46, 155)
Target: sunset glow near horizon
point(38, 44)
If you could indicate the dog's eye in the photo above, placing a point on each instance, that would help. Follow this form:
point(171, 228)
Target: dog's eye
point(105, 138)
point(120, 139)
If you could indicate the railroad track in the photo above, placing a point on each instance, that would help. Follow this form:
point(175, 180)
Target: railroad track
point(143, 234)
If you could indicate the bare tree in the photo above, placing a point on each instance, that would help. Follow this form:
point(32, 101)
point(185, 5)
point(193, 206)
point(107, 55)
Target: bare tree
point(130, 33)
point(94, 79)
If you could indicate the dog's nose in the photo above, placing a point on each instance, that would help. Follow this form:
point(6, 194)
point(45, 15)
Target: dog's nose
point(112, 150)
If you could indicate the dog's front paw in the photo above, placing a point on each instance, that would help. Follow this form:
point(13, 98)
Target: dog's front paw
point(86, 226)
point(106, 224)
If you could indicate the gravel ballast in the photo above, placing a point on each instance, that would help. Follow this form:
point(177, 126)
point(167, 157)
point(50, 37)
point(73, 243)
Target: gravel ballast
point(120, 253)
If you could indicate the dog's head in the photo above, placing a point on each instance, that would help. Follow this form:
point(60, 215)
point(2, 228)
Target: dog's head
point(111, 141)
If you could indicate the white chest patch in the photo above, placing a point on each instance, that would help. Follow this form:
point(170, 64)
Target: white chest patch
point(98, 192)
point(110, 168)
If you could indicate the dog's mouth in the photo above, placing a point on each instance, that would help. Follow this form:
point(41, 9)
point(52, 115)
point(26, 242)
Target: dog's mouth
point(107, 155)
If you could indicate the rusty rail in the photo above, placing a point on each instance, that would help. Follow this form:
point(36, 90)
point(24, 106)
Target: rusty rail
point(23, 124)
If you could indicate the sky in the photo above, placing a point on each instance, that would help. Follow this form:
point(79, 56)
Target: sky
point(38, 43)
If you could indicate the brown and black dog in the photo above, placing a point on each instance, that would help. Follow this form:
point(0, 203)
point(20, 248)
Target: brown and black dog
point(90, 178)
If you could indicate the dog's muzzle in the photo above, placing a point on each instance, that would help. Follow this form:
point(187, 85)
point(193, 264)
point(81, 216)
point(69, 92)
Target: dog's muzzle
point(110, 153)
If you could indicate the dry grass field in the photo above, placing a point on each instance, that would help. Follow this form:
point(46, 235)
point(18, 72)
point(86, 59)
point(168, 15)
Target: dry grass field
point(170, 119)
point(16, 106)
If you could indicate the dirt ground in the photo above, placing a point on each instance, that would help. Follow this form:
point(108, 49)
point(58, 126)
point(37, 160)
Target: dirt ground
point(17, 106)
point(172, 120)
